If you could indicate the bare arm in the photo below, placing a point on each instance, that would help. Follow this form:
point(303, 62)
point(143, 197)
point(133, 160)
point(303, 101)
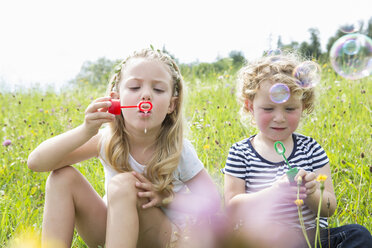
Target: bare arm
point(76, 145)
point(313, 191)
point(65, 149)
point(237, 200)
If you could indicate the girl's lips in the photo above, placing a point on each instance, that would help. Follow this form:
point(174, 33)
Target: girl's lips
point(278, 128)
point(144, 114)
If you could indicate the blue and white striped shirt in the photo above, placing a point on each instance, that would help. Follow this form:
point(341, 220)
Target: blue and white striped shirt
point(258, 173)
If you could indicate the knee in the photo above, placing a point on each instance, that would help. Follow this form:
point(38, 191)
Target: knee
point(122, 187)
point(63, 177)
point(361, 233)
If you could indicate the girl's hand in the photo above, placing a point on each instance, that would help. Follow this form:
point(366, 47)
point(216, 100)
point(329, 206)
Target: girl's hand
point(285, 192)
point(96, 114)
point(147, 191)
point(308, 180)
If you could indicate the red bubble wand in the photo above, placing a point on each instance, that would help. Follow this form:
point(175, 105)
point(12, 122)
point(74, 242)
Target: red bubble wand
point(115, 107)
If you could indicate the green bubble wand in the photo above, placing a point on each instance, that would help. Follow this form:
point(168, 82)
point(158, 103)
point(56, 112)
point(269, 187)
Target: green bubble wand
point(292, 172)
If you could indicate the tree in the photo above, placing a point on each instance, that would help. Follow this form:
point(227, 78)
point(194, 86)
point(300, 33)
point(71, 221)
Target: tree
point(332, 39)
point(238, 58)
point(368, 30)
point(96, 73)
point(314, 47)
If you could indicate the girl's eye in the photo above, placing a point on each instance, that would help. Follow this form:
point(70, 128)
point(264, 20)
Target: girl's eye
point(134, 88)
point(158, 90)
point(268, 109)
point(290, 109)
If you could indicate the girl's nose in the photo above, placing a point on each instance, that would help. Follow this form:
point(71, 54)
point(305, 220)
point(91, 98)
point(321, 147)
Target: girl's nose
point(146, 95)
point(279, 116)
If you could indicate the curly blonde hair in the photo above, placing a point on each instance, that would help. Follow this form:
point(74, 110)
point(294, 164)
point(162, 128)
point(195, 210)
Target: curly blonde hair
point(169, 142)
point(276, 69)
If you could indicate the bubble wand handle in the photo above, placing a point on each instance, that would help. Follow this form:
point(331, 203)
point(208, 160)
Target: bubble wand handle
point(129, 106)
point(292, 172)
point(281, 152)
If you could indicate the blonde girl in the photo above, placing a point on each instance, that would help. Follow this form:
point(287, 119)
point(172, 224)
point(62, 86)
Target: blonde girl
point(258, 194)
point(147, 163)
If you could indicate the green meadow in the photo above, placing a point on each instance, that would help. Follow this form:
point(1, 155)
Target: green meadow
point(341, 123)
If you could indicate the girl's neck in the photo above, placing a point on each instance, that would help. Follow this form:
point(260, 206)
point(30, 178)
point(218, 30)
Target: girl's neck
point(265, 147)
point(142, 146)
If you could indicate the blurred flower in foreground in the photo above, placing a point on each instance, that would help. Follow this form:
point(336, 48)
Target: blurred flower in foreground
point(30, 239)
point(7, 142)
point(299, 202)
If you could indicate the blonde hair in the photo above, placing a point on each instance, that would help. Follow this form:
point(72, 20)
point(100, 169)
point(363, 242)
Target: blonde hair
point(169, 142)
point(277, 69)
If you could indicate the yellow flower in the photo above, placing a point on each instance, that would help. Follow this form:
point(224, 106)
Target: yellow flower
point(299, 202)
point(325, 65)
point(205, 147)
point(321, 178)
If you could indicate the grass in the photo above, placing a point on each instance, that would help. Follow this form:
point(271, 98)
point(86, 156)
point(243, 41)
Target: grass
point(341, 123)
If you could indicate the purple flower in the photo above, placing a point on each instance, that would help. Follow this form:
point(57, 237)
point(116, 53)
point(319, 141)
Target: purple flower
point(7, 142)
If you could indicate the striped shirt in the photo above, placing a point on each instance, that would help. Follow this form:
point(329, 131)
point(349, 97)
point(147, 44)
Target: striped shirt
point(258, 173)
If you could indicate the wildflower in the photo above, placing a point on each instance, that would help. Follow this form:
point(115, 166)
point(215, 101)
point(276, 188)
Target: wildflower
point(7, 142)
point(321, 178)
point(206, 147)
point(299, 202)
point(299, 180)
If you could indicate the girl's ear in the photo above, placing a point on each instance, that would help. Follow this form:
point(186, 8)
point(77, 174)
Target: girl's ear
point(114, 95)
point(172, 104)
point(248, 105)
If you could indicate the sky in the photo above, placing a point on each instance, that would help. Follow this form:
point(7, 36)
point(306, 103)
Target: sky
point(47, 41)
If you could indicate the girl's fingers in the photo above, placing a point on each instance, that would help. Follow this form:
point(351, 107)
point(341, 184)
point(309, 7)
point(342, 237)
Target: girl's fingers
point(147, 194)
point(310, 184)
point(140, 177)
point(98, 107)
point(149, 204)
point(301, 173)
point(310, 177)
point(144, 186)
point(102, 99)
point(99, 115)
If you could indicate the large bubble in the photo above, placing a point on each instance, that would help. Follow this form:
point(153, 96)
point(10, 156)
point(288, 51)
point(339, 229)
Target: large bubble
point(349, 28)
point(351, 56)
point(279, 93)
point(307, 73)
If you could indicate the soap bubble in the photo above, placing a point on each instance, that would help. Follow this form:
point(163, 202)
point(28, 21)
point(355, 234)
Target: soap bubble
point(307, 74)
point(273, 52)
point(349, 28)
point(279, 93)
point(351, 47)
point(351, 56)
